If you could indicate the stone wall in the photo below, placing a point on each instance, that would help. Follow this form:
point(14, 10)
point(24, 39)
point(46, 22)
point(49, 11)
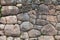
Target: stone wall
point(30, 20)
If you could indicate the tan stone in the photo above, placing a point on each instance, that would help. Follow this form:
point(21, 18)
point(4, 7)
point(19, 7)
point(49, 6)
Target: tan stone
point(51, 18)
point(52, 11)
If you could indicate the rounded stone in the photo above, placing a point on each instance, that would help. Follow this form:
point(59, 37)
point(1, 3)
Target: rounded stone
point(12, 30)
point(25, 26)
point(23, 17)
point(7, 10)
point(44, 9)
point(10, 38)
point(34, 33)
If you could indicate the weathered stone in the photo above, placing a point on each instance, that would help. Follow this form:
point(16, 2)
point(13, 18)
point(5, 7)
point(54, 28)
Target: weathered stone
point(2, 37)
point(51, 18)
point(33, 39)
point(24, 35)
point(3, 20)
point(8, 2)
point(32, 20)
point(41, 22)
point(10, 38)
point(1, 33)
point(57, 37)
point(32, 14)
point(7, 10)
point(8, 19)
point(46, 38)
point(11, 19)
point(17, 38)
point(23, 17)
point(25, 26)
point(2, 26)
point(44, 9)
point(34, 33)
point(12, 30)
point(58, 18)
point(52, 11)
point(47, 2)
point(49, 30)
point(58, 26)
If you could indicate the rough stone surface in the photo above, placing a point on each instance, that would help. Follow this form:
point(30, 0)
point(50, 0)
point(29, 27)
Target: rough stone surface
point(7, 10)
point(23, 17)
point(12, 30)
point(34, 33)
point(25, 26)
point(29, 19)
point(49, 30)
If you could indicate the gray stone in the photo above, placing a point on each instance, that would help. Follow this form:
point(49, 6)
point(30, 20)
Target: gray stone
point(7, 10)
point(25, 26)
point(9, 38)
point(34, 33)
point(41, 22)
point(49, 30)
point(44, 9)
point(58, 32)
point(46, 38)
point(18, 1)
point(38, 27)
point(47, 2)
point(12, 30)
point(23, 17)
point(2, 37)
